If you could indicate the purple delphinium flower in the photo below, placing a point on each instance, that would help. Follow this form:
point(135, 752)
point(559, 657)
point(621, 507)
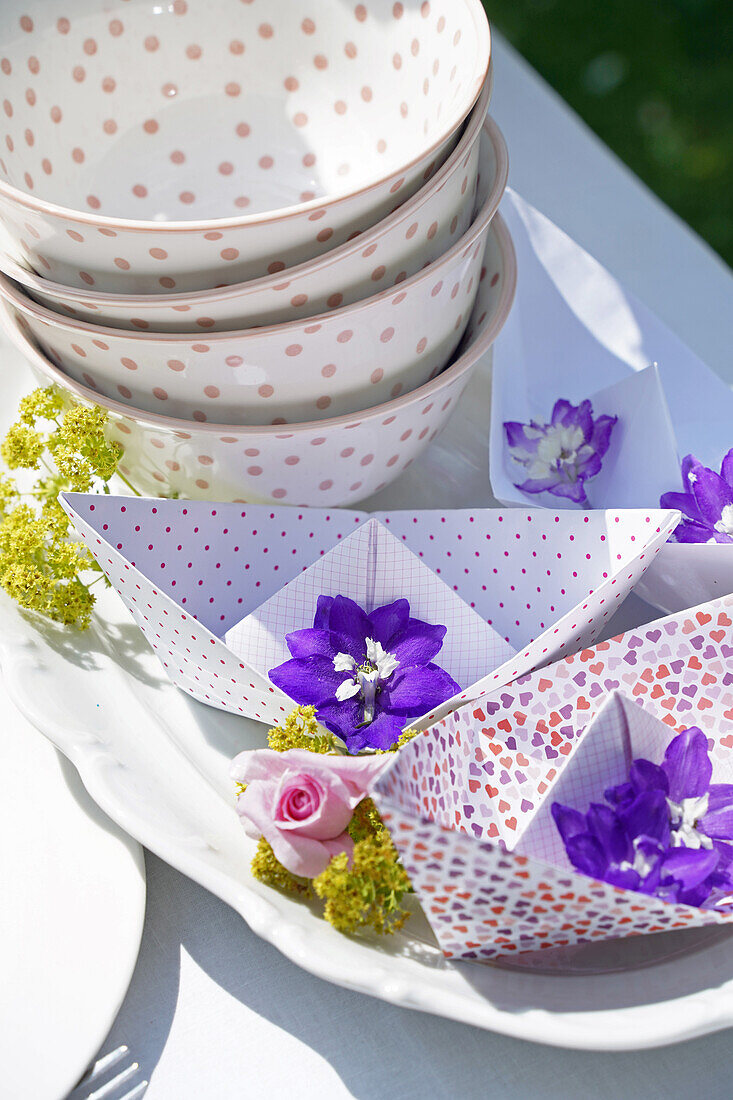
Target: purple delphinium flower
point(706, 504)
point(666, 831)
point(367, 675)
point(561, 456)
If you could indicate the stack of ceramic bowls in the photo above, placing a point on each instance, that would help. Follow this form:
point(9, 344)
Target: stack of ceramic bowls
point(261, 234)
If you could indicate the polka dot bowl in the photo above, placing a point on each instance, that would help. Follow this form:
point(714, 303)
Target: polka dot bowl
point(147, 147)
point(341, 362)
point(418, 232)
point(330, 462)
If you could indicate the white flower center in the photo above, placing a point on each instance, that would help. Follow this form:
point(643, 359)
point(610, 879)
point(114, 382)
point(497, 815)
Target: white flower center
point(377, 666)
point(725, 523)
point(684, 817)
point(642, 863)
point(557, 448)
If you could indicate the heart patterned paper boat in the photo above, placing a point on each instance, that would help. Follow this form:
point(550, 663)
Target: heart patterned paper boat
point(521, 588)
point(468, 803)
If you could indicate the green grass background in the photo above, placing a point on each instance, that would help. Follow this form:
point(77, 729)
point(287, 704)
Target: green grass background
point(654, 79)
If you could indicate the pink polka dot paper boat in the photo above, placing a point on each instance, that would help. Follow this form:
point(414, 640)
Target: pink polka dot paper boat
point(215, 588)
point(468, 803)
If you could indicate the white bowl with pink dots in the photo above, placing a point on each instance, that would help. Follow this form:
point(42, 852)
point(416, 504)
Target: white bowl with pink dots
point(146, 146)
point(329, 462)
point(417, 233)
point(350, 359)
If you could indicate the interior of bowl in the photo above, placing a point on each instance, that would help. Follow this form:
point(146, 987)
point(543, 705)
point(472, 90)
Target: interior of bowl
point(167, 110)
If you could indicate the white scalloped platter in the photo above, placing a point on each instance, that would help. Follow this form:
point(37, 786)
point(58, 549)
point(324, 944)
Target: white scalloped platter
point(157, 762)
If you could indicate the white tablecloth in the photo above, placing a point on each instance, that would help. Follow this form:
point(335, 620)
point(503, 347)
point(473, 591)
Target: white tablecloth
point(213, 1011)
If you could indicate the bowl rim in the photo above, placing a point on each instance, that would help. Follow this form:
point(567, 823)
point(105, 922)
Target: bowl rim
point(451, 374)
point(59, 323)
point(478, 123)
point(482, 32)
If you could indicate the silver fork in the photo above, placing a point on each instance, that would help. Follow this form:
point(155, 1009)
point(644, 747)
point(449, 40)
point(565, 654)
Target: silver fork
point(124, 1084)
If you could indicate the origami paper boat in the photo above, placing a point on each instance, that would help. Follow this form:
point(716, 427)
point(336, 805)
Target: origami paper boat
point(468, 802)
point(516, 589)
point(575, 332)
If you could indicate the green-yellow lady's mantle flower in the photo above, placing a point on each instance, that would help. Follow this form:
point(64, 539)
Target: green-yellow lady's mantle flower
point(41, 562)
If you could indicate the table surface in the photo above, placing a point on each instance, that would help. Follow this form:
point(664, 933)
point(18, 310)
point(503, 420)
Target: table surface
point(214, 1011)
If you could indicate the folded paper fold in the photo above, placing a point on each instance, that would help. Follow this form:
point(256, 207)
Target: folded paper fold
point(189, 571)
point(468, 802)
point(575, 333)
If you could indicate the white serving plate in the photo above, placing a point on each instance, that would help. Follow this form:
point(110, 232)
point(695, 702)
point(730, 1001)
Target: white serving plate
point(73, 904)
point(157, 762)
point(71, 918)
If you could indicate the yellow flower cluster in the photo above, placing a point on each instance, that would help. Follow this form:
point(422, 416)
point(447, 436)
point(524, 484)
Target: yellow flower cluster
point(301, 731)
point(364, 892)
point(40, 561)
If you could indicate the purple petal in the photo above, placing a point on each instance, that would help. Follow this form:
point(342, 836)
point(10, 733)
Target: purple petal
point(726, 467)
point(587, 855)
point(574, 416)
point(310, 681)
point(563, 413)
point(621, 795)
point(684, 502)
point(725, 854)
point(310, 642)
point(720, 797)
point(540, 484)
point(626, 880)
point(341, 718)
point(647, 815)
point(718, 825)
point(415, 691)
point(569, 822)
point(418, 643)
point(689, 866)
point(516, 436)
point(384, 622)
point(600, 440)
point(383, 733)
point(687, 765)
point(571, 490)
point(589, 464)
point(712, 493)
point(645, 776)
point(690, 532)
point(718, 821)
point(350, 626)
point(608, 830)
point(690, 465)
point(697, 896)
point(323, 610)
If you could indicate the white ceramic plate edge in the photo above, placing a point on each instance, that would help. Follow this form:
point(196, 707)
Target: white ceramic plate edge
point(116, 996)
point(630, 1028)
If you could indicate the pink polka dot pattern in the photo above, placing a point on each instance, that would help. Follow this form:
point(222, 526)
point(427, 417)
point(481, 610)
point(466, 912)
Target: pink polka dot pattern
point(190, 96)
point(401, 245)
point(403, 428)
point(145, 548)
point(266, 388)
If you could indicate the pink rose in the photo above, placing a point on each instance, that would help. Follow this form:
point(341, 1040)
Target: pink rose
point(301, 802)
